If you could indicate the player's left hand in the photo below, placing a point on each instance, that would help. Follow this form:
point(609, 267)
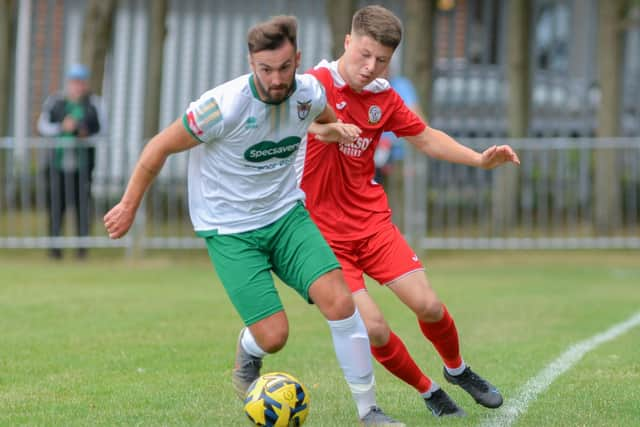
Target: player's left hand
point(498, 155)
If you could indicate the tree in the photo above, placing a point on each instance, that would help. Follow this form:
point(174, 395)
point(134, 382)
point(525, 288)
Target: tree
point(608, 212)
point(6, 43)
point(96, 38)
point(418, 58)
point(157, 34)
point(518, 65)
point(339, 13)
point(419, 47)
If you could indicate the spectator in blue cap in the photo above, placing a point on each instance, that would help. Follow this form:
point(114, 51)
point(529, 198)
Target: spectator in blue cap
point(71, 117)
point(78, 72)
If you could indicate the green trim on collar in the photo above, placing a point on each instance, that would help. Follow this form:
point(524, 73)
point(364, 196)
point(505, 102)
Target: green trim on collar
point(254, 90)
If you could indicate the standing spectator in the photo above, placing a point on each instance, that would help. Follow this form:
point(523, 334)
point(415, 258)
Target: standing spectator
point(70, 117)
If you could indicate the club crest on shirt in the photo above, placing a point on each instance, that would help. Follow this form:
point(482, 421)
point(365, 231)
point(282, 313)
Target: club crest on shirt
point(304, 108)
point(375, 114)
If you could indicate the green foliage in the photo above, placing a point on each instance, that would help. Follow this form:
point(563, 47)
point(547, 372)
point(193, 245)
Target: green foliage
point(116, 342)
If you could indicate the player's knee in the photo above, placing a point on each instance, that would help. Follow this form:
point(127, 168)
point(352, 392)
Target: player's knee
point(332, 296)
point(378, 331)
point(341, 306)
point(344, 305)
point(273, 340)
point(429, 310)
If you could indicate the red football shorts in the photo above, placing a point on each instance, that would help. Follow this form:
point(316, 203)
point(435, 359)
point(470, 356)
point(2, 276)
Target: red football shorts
point(384, 256)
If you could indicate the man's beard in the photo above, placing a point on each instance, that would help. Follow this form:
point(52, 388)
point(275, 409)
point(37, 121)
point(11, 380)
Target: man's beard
point(286, 90)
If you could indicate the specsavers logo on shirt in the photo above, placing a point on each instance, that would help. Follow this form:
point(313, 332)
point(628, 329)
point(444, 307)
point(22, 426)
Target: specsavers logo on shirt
point(266, 150)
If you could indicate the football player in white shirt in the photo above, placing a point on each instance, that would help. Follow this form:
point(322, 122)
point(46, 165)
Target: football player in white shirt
point(245, 202)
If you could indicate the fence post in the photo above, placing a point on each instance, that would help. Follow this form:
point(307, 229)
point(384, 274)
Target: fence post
point(21, 107)
point(135, 247)
point(414, 173)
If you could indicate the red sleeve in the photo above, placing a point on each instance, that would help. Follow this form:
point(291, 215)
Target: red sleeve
point(322, 74)
point(403, 121)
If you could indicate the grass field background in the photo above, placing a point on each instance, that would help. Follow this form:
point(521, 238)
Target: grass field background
point(151, 342)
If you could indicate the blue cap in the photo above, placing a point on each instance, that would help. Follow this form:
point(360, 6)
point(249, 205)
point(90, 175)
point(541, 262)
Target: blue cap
point(78, 72)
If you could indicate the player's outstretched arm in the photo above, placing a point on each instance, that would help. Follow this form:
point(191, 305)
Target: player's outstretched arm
point(439, 145)
point(173, 139)
point(328, 129)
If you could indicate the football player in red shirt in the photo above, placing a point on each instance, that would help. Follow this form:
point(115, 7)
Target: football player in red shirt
point(353, 213)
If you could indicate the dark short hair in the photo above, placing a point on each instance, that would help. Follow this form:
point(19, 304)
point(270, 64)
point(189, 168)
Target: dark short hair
point(272, 34)
point(378, 23)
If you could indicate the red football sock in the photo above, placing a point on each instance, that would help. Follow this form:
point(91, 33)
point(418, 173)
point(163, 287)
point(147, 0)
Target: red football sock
point(444, 336)
point(396, 358)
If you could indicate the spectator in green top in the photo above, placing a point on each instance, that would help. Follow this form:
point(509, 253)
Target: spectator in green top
point(71, 117)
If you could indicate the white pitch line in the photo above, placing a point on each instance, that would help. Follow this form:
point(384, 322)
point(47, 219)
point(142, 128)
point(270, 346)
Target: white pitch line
point(513, 407)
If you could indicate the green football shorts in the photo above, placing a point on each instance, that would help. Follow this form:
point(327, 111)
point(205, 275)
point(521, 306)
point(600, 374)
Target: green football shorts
point(292, 247)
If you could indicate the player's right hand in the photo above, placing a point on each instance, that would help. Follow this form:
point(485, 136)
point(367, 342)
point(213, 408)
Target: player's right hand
point(345, 133)
point(497, 155)
point(118, 220)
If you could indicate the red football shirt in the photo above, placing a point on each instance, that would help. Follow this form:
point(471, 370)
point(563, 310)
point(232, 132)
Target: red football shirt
point(342, 197)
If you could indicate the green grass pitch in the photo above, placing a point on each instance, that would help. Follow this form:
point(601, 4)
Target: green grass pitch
point(112, 342)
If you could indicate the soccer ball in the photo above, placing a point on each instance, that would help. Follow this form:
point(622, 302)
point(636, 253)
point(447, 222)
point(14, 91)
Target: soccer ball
point(277, 399)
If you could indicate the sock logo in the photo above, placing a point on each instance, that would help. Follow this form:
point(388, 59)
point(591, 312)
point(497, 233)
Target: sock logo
point(266, 150)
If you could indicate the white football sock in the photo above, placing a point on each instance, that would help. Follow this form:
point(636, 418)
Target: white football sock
point(434, 387)
point(456, 371)
point(351, 343)
point(249, 344)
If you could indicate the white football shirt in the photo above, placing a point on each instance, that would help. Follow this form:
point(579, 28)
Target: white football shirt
point(242, 176)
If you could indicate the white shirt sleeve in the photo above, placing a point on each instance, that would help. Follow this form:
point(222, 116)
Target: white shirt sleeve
point(203, 118)
point(45, 126)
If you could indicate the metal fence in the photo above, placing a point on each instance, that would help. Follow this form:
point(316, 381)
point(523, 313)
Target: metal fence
point(436, 204)
point(550, 199)
point(548, 202)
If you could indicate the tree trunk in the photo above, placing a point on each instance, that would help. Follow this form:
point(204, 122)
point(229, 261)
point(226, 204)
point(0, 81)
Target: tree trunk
point(7, 18)
point(339, 13)
point(6, 42)
point(419, 47)
point(608, 209)
point(505, 194)
point(96, 39)
point(418, 56)
point(157, 33)
point(518, 51)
